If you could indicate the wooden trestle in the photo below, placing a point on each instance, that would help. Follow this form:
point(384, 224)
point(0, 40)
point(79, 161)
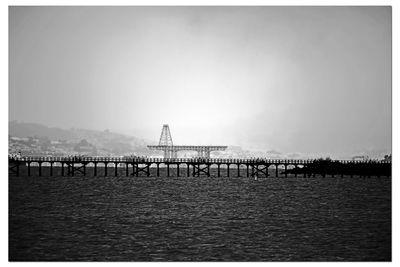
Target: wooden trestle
point(195, 167)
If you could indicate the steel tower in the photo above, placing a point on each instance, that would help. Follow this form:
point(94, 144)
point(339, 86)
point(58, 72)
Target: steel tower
point(165, 138)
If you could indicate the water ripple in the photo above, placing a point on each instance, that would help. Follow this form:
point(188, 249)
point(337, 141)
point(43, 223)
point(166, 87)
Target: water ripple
point(199, 219)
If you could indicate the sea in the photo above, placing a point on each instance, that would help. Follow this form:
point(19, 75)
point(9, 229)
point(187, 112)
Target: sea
point(199, 218)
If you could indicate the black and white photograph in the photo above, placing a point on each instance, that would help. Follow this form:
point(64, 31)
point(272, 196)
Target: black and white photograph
point(171, 133)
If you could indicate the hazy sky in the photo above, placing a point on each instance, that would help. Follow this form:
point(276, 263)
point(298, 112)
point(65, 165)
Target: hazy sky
point(293, 79)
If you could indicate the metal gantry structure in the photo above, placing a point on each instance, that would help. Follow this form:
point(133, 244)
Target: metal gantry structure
point(170, 151)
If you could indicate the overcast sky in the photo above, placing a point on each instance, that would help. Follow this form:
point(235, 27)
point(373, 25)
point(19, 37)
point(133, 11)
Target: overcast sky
point(313, 80)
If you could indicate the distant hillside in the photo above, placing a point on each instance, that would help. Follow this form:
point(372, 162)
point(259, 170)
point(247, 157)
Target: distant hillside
point(23, 129)
point(104, 142)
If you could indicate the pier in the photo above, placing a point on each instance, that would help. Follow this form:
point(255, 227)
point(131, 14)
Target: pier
point(203, 165)
point(194, 167)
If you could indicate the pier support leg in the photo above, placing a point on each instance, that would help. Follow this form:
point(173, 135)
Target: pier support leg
point(62, 168)
point(105, 168)
point(13, 169)
point(95, 169)
point(135, 170)
point(285, 170)
point(158, 170)
point(276, 171)
point(247, 170)
point(219, 170)
point(168, 170)
point(227, 169)
point(187, 169)
point(177, 169)
point(40, 169)
point(51, 168)
point(238, 170)
point(116, 169)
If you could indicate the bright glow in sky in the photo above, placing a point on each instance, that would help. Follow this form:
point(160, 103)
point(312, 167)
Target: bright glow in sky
point(293, 79)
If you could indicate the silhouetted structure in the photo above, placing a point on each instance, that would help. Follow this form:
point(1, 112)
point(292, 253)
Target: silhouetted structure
point(139, 166)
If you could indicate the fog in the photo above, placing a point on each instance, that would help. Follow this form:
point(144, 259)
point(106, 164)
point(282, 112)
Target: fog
point(312, 80)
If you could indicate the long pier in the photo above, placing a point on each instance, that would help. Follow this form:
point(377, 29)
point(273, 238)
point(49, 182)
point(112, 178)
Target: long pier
point(195, 167)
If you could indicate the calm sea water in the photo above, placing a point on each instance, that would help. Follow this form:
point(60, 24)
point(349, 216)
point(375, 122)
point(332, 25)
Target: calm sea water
point(199, 219)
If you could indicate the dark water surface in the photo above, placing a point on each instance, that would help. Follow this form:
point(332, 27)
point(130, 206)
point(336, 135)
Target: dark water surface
point(199, 219)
